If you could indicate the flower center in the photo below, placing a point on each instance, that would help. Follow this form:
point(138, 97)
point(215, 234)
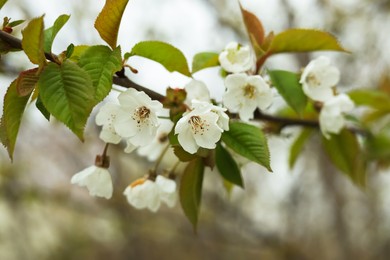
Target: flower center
point(198, 126)
point(249, 91)
point(141, 114)
point(312, 80)
point(231, 56)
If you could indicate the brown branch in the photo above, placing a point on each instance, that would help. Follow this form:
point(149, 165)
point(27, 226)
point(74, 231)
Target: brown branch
point(285, 121)
point(122, 80)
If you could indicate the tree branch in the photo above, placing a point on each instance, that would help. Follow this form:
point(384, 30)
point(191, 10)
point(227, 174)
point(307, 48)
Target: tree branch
point(122, 80)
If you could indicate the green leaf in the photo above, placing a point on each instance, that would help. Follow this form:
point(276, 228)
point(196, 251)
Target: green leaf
point(2, 2)
point(173, 140)
point(32, 42)
point(190, 191)
point(13, 110)
point(27, 81)
point(100, 62)
point(204, 60)
point(183, 155)
point(67, 93)
point(69, 50)
point(370, 97)
point(108, 21)
point(297, 146)
point(227, 166)
point(77, 52)
point(248, 141)
point(41, 107)
point(51, 32)
point(345, 153)
point(15, 23)
point(165, 54)
point(304, 40)
point(288, 86)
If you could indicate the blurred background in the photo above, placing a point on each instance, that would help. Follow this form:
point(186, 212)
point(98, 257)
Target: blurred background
point(308, 212)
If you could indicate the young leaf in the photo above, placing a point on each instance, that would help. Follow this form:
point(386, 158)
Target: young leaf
point(288, 86)
point(77, 52)
point(297, 146)
point(108, 21)
point(304, 40)
point(67, 93)
point(248, 141)
point(51, 32)
point(345, 153)
point(227, 166)
point(254, 27)
point(15, 23)
point(190, 191)
point(69, 50)
point(32, 42)
point(165, 54)
point(100, 62)
point(204, 60)
point(26, 82)
point(13, 109)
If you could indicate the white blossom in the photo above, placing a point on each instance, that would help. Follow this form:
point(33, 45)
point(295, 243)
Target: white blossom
point(332, 114)
point(196, 90)
point(96, 179)
point(236, 58)
point(137, 120)
point(106, 117)
point(318, 78)
point(145, 193)
point(223, 118)
point(198, 128)
point(167, 189)
point(246, 93)
point(153, 150)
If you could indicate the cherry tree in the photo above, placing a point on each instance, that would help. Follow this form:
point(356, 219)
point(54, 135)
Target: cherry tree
point(202, 132)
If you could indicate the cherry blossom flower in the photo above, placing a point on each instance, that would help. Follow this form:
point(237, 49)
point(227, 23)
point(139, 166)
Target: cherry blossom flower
point(318, 78)
point(144, 193)
point(106, 117)
point(196, 90)
point(153, 150)
point(332, 114)
point(96, 179)
point(199, 128)
point(167, 188)
point(223, 118)
point(245, 93)
point(137, 120)
point(236, 58)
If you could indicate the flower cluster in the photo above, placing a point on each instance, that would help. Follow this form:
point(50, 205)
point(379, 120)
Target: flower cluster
point(244, 93)
point(318, 80)
point(135, 119)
